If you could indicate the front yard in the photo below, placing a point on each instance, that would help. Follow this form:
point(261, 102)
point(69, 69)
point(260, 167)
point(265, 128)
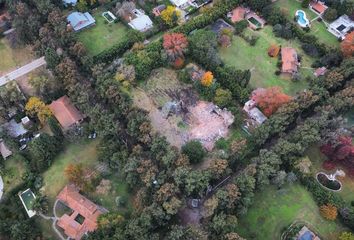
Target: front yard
point(319, 29)
point(274, 210)
point(244, 56)
point(103, 35)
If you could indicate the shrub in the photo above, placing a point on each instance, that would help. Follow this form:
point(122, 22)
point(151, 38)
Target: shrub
point(194, 150)
point(240, 26)
point(329, 211)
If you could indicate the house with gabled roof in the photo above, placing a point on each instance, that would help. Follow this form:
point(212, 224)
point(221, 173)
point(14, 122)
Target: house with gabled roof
point(318, 7)
point(84, 214)
point(66, 113)
point(290, 61)
point(79, 21)
point(141, 22)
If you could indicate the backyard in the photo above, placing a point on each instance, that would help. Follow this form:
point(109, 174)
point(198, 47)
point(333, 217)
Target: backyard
point(318, 29)
point(103, 35)
point(274, 210)
point(12, 58)
point(261, 65)
point(15, 168)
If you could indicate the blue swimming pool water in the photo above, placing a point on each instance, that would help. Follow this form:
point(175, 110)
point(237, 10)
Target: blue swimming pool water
point(306, 236)
point(301, 18)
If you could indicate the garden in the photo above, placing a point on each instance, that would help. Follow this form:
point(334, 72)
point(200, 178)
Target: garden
point(319, 29)
point(244, 56)
point(274, 210)
point(103, 35)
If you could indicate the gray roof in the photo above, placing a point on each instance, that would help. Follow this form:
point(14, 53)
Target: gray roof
point(80, 20)
point(69, 2)
point(219, 25)
point(14, 129)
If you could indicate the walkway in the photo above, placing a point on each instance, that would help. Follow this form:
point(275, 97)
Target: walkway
point(54, 219)
point(22, 71)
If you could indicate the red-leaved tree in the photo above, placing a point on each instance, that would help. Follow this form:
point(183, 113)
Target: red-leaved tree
point(175, 45)
point(347, 45)
point(270, 99)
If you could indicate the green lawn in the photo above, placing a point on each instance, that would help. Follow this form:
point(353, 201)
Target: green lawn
point(274, 210)
point(289, 7)
point(15, 168)
point(317, 158)
point(244, 56)
point(12, 58)
point(80, 152)
point(102, 36)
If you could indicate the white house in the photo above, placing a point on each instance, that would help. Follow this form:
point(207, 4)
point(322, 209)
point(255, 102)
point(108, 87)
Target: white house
point(180, 3)
point(341, 27)
point(141, 22)
point(254, 113)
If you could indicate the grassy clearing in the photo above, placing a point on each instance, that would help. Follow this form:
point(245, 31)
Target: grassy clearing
point(12, 58)
point(273, 210)
point(244, 56)
point(81, 152)
point(317, 158)
point(15, 168)
point(102, 36)
point(289, 7)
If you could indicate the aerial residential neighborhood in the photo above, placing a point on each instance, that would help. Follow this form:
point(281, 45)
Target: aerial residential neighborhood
point(177, 120)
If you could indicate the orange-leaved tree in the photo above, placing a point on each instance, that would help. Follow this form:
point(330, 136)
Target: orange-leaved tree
point(175, 45)
point(329, 211)
point(270, 99)
point(75, 174)
point(207, 79)
point(347, 45)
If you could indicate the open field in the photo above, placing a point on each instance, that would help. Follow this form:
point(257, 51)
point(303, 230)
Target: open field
point(12, 58)
point(54, 179)
point(289, 7)
point(102, 36)
point(274, 210)
point(244, 56)
point(317, 158)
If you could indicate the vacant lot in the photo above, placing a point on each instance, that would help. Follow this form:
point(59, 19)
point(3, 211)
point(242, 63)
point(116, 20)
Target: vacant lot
point(102, 36)
point(273, 210)
point(318, 29)
point(244, 56)
point(12, 58)
point(75, 153)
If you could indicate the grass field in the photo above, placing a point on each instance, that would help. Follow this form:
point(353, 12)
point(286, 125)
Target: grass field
point(244, 56)
point(102, 36)
point(15, 168)
point(274, 210)
point(317, 158)
point(318, 29)
point(82, 152)
point(12, 58)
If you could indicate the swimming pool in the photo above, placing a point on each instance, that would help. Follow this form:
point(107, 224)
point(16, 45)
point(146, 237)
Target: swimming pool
point(302, 19)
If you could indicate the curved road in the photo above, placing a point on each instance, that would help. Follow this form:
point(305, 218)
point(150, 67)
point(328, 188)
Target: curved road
point(22, 71)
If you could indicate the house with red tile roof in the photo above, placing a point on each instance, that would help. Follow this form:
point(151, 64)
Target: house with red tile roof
point(65, 112)
point(238, 14)
point(289, 60)
point(83, 217)
point(318, 7)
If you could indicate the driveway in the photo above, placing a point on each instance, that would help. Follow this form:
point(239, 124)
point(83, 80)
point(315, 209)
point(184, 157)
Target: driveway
point(22, 71)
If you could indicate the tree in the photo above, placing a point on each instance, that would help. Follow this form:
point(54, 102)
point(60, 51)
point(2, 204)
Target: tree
point(75, 174)
point(347, 45)
point(170, 16)
point(35, 107)
point(346, 236)
point(175, 45)
point(218, 167)
point(305, 3)
point(330, 14)
point(329, 211)
point(241, 26)
point(223, 97)
point(270, 99)
point(233, 236)
point(207, 79)
point(258, 4)
point(55, 128)
point(273, 50)
point(125, 8)
point(194, 150)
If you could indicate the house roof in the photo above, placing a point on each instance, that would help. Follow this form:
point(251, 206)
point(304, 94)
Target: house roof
point(318, 6)
point(179, 3)
point(320, 71)
point(238, 14)
point(65, 112)
point(80, 20)
point(289, 60)
point(80, 205)
point(219, 25)
point(5, 152)
point(14, 129)
point(141, 23)
point(70, 2)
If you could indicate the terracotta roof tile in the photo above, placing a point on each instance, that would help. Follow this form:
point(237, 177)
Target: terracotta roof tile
point(289, 60)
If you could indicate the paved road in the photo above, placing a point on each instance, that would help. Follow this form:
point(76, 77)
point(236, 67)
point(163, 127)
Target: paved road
point(22, 71)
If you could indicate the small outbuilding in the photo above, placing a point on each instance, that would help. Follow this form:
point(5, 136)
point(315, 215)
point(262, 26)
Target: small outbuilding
point(4, 150)
point(157, 10)
point(320, 71)
point(318, 7)
point(66, 113)
point(68, 3)
point(289, 60)
point(254, 113)
point(141, 22)
point(79, 21)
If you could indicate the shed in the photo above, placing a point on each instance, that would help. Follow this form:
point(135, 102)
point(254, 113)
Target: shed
point(4, 150)
point(141, 22)
point(79, 21)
